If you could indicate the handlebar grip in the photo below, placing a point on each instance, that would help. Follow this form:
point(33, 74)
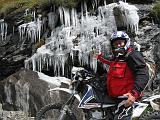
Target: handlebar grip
point(123, 97)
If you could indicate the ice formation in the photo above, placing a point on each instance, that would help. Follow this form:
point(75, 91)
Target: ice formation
point(86, 34)
point(54, 80)
point(3, 30)
point(130, 16)
point(32, 29)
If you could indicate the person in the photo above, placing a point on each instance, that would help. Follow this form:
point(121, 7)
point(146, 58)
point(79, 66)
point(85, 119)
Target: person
point(127, 74)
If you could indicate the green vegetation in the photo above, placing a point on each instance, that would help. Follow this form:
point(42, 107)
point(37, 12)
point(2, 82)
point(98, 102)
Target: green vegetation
point(155, 12)
point(15, 6)
point(28, 18)
point(67, 3)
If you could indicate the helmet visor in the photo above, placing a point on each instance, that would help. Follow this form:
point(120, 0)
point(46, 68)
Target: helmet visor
point(119, 43)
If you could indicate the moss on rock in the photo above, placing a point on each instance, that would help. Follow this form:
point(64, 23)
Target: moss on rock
point(14, 6)
point(66, 3)
point(155, 12)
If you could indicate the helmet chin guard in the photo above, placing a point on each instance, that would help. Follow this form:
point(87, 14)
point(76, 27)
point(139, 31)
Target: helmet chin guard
point(119, 52)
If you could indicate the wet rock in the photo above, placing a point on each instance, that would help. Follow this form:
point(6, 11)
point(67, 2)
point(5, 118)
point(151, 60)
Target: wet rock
point(24, 91)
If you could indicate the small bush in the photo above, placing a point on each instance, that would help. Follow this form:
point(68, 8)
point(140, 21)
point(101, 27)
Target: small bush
point(28, 18)
point(155, 12)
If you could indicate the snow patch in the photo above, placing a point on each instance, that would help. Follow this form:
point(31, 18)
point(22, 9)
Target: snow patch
point(54, 80)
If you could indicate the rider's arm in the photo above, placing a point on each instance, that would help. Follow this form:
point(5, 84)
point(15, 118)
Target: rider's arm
point(136, 62)
point(100, 57)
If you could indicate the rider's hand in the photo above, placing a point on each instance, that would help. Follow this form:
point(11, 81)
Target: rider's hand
point(131, 99)
point(98, 55)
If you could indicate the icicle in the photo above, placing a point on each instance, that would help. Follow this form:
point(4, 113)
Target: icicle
point(44, 24)
point(131, 16)
point(33, 63)
point(61, 15)
point(3, 30)
point(74, 16)
point(31, 30)
point(66, 17)
point(82, 16)
point(105, 3)
point(93, 64)
point(52, 19)
point(97, 3)
point(13, 30)
point(86, 11)
point(34, 15)
point(39, 26)
point(21, 30)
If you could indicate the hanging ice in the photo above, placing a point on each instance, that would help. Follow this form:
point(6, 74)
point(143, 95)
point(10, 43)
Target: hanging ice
point(32, 30)
point(52, 19)
point(127, 15)
point(89, 35)
point(86, 35)
point(3, 30)
point(55, 54)
point(64, 16)
point(74, 17)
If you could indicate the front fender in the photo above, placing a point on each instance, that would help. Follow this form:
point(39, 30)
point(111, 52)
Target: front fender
point(66, 90)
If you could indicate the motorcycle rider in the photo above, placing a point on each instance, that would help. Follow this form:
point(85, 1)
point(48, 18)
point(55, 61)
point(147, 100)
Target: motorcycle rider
point(127, 74)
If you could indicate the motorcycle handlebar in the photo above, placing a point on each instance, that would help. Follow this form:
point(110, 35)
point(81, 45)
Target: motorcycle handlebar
point(123, 97)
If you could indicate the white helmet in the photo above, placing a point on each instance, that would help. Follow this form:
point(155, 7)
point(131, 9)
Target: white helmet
point(120, 35)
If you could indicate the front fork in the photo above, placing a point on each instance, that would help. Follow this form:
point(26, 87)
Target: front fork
point(66, 108)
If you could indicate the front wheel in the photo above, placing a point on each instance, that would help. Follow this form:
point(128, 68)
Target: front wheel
point(151, 116)
point(54, 112)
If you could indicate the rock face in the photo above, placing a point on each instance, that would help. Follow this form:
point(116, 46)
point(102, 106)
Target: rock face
point(12, 55)
point(15, 115)
point(24, 91)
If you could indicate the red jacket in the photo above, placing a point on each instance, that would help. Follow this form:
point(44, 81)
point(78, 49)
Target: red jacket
point(126, 76)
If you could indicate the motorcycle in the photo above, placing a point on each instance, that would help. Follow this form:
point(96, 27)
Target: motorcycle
point(92, 107)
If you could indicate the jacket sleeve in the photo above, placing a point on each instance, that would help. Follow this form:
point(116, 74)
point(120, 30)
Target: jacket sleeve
point(99, 57)
point(137, 64)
